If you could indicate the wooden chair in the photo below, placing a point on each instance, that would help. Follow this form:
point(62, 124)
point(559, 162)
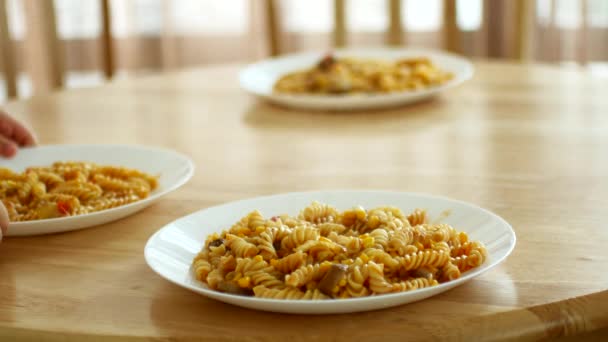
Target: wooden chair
point(42, 40)
point(395, 34)
point(524, 23)
point(47, 73)
point(451, 33)
point(107, 47)
point(6, 56)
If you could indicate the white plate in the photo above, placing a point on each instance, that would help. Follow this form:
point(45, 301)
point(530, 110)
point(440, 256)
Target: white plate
point(259, 79)
point(174, 170)
point(170, 251)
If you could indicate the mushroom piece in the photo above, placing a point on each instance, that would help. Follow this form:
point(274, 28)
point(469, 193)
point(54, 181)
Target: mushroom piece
point(216, 243)
point(423, 273)
point(233, 288)
point(332, 278)
point(326, 63)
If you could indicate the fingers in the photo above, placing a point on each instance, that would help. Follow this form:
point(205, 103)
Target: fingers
point(3, 220)
point(14, 130)
point(7, 147)
point(22, 135)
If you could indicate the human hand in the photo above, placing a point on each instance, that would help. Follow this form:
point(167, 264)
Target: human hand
point(13, 135)
point(3, 220)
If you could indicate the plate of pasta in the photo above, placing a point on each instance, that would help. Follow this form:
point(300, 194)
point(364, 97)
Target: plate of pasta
point(58, 188)
point(330, 251)
point(350, 79)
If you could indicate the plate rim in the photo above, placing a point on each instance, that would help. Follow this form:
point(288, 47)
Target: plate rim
point(152, 197)
point(312, 303)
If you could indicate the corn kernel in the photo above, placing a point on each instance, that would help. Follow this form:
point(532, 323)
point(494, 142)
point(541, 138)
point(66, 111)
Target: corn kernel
point(244, 282)
point(360, 212)
point(373, 222)
point(349, 214)
point(258, 258)
point(368, 241)
point(364, 257)
point(325, 265)
point(311, 285)
point(342, 282)
point(349, 218)
point(462, 236)
point(335, 289)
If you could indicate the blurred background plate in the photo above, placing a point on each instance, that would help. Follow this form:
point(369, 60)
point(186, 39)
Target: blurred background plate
point(259, 79)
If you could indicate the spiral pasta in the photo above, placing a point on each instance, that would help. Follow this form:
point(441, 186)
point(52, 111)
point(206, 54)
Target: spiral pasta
point(327, 254)
point(355, 283)
point(287, 293)
point(70, 188)
point(241, 247)
point(347, 75)
point(290, 262)
point(319, 213)
point(306, 273)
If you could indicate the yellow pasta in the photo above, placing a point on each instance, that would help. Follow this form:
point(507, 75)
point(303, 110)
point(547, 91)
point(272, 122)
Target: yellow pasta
point(417, 217)
point(299, 236)
point(240, 246)
point(265, 244)
point(355, 285)
point(307, 273)
point(324, 253)
point(351, 76)
point(266, 279)
point(70, 188)
point(319, 213)
point(287, 293)
point(289, 263)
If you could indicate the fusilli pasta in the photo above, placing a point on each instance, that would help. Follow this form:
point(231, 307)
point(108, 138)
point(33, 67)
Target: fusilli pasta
point(334, 76)
point(324, 253)
point(70, 188)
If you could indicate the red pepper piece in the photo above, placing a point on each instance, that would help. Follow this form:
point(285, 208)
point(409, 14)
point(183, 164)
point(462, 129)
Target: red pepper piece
point(64, 207)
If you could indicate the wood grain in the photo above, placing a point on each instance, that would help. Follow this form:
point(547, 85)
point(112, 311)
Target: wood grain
point(525, 141)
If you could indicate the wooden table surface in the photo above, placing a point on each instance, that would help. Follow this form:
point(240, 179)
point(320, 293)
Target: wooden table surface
point(527, 142)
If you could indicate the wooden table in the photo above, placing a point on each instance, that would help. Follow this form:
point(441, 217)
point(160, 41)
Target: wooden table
point(527, 142)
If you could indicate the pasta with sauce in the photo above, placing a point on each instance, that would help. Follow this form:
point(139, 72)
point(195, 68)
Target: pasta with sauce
point(339, 76)
point(324, 253)
point(70, 188)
